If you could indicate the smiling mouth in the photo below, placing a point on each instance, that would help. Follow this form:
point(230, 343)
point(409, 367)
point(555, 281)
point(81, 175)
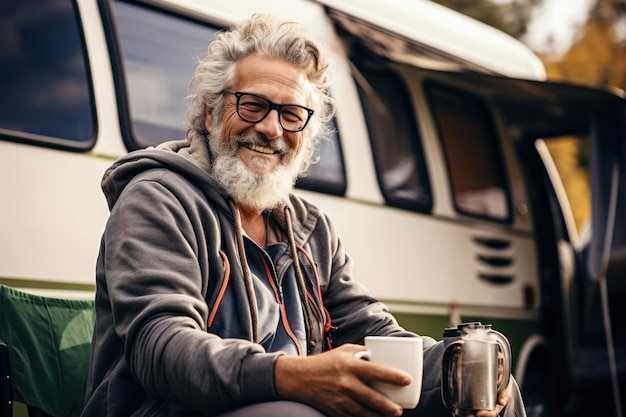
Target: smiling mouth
point(260, 149)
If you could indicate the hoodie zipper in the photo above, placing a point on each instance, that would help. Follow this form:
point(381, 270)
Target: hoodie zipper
point(278, 293)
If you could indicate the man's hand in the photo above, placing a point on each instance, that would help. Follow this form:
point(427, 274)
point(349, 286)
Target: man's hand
point(503, 399)
point(334, 382)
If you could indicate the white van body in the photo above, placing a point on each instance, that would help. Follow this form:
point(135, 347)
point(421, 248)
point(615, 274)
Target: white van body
point(436, 264)
point(57, 215)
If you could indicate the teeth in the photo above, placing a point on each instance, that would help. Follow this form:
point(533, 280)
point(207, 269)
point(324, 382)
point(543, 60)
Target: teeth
point(261, 149)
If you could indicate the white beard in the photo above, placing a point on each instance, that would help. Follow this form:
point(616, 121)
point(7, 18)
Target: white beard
point(256, 191)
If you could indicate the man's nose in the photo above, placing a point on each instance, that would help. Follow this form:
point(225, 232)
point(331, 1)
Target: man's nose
point(270, 126)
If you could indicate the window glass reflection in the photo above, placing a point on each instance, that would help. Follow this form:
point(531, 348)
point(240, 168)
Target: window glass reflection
point(44, 81)
point(472, 152)
point(159, 54)
point(396, 144)
point(327, 175)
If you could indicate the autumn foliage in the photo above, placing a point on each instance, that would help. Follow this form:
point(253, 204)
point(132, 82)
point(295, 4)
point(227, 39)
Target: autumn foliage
point(598, 56)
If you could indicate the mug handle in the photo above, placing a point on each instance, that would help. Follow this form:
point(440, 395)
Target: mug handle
point(364, 354)
point(505, 348)
point(449, 364)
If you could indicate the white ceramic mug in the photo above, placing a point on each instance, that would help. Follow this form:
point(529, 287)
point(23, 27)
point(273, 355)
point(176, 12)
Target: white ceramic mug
point(405, 353)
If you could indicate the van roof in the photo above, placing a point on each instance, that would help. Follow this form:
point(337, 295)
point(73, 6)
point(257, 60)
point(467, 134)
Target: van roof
point(424, 33)
point(449, 32)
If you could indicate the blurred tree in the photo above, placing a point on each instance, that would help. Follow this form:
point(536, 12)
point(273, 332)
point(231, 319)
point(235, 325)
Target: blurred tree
point(598, 57)
point(510, 16)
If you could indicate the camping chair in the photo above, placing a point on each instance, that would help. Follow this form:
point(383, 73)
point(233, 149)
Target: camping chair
point(46, 346)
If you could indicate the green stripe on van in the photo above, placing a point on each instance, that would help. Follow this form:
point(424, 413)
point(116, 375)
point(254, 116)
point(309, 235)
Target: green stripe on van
point(46, 284)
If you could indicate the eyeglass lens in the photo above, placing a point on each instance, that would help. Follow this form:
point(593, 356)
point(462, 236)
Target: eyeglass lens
point(253, 109)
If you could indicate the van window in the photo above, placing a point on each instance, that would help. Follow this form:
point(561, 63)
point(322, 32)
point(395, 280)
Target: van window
point(396, 145)
point(327, 175)
point(46, 94)
point(158, 53)
point(474, 158)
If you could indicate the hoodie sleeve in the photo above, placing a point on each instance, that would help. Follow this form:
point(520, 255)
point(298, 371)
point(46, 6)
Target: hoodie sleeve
point(354, 312)
point(156, 270)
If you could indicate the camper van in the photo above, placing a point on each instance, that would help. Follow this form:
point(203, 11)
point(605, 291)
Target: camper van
point(441, 175)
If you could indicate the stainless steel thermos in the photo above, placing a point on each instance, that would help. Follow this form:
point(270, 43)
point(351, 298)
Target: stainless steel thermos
point(474, 357)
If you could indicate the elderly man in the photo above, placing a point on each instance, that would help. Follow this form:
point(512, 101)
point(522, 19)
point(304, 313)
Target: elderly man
point(219, 291)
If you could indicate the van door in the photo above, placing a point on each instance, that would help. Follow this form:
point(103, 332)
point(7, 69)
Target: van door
point(583, 270)
point(600, 345)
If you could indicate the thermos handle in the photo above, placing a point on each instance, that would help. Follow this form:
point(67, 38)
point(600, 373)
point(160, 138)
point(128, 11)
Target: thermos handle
point(449, 363)
point(505, 348)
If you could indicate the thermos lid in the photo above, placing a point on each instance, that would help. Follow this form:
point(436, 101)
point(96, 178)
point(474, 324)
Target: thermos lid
point(457, 331)
point(450, 332)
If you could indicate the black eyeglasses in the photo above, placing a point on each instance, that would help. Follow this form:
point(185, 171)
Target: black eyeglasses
point(253, 108)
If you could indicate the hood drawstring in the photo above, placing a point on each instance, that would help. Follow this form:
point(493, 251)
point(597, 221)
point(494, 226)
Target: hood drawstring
point(246, 272)
point(324, 314)
point(310, 319)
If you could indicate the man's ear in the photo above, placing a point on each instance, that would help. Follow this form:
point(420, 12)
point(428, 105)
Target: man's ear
point(208, 121)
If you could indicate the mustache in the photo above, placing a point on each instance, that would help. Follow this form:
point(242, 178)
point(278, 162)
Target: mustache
point(255, 138)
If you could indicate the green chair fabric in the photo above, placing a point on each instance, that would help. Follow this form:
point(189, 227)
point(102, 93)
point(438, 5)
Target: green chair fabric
point(49, 341)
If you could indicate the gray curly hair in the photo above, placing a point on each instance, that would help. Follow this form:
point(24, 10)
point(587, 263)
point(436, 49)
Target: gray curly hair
point(267, 36)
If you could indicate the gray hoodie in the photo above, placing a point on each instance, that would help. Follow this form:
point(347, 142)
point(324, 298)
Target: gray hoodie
point(171, 249)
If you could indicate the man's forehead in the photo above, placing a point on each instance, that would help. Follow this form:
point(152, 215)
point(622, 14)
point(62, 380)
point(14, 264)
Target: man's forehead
point(279, 80)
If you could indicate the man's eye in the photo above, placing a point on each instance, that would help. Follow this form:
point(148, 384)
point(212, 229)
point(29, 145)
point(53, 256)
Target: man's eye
point(292, 114)
point(252, 106)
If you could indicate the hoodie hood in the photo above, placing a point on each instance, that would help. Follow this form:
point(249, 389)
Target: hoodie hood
point(191, 158)
point(181, 156)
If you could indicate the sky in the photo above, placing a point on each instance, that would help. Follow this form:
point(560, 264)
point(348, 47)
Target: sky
point(557, 19)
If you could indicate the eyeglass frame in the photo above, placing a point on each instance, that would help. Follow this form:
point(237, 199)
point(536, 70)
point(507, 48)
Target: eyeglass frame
point(272, 106)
